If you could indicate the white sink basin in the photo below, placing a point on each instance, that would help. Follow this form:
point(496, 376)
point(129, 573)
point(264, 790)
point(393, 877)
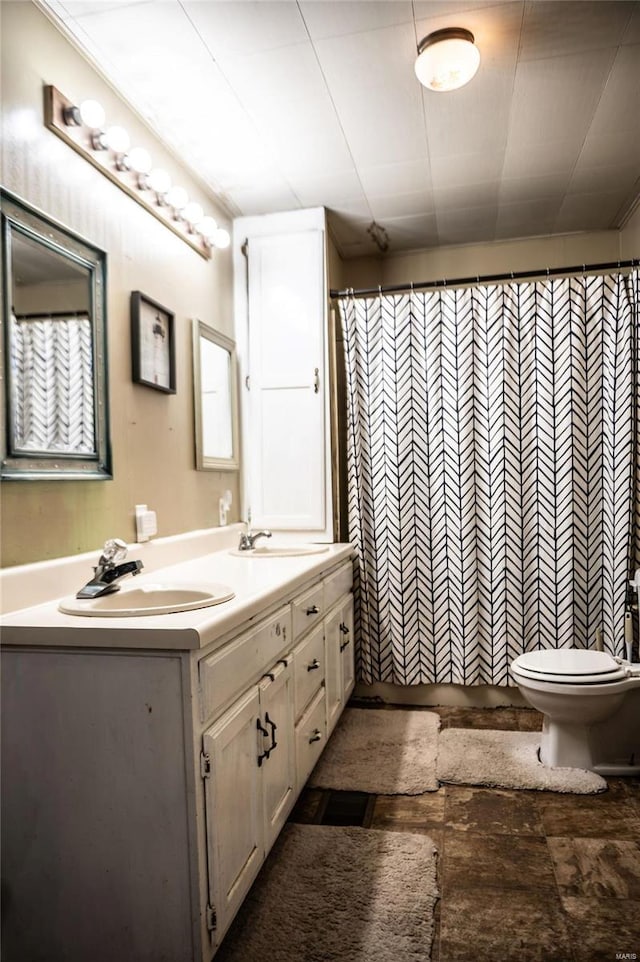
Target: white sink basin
point(153, 599)
point(284, 551)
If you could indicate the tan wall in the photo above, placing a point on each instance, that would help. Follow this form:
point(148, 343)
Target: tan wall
point(630, 237)
point(499, 257)
point(152, 433)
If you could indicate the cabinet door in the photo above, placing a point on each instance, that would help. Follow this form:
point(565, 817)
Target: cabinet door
point(340, 675)
point(333, 667)
point(346, 649)
point(287, 396)
point(278, 766)
point(235, 826)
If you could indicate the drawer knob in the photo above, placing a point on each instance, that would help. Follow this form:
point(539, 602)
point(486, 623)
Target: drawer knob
point(317, 735)
point(314, 664)
point(313, 610)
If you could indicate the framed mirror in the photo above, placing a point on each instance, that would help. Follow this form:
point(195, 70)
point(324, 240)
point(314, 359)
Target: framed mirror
point(215, 384)
point(54, 417)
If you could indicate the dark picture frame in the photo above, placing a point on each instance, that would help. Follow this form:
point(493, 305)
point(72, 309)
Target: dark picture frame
point(153, 352)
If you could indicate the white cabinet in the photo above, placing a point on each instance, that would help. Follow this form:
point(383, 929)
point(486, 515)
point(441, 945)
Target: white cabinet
point(144, 786)
point(248, 765)
point(282, 335)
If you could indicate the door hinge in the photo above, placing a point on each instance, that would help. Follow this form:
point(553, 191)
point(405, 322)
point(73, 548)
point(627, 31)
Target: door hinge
point(212, 919)
point(205, 765)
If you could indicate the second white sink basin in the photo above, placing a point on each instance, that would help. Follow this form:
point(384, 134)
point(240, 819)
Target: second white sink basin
point(283, 551)
point(152, 599)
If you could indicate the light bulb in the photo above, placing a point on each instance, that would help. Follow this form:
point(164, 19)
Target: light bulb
point(117, 140)
point(177, 198)
point(193, 213)
point(159, 180)
point(92, 114)
point(139, 160)
point(207, 227)
point(221, 238)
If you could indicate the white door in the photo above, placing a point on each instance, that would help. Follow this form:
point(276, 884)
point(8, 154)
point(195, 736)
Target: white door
point(235, 825)
point(287, 391)
point(278, 757)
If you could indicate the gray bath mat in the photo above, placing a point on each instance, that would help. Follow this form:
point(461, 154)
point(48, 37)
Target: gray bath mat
point(329, 894)
point(503, 759)
point(381, 752)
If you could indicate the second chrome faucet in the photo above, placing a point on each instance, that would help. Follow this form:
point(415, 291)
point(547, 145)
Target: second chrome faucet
point(248, 539)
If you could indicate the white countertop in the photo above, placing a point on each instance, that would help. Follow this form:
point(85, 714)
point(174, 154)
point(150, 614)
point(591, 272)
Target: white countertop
point(259, 584)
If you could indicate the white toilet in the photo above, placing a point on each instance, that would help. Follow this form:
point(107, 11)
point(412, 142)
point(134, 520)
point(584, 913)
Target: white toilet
point(591, 707)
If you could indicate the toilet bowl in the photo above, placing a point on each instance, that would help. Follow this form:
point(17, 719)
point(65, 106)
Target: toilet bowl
point(591, 707)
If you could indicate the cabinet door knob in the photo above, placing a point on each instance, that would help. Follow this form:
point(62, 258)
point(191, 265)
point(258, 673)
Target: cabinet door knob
point(343, 628)
point(313, 610)
point(314, 664)
point(316, 380)
point(317, 735)
point(344, 645)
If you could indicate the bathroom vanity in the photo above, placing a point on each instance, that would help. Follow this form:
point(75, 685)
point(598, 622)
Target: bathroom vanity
point(149, 763)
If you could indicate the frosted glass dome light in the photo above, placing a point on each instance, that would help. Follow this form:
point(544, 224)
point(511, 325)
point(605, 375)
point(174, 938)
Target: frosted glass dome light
point(193, 214)
point(221, 238)
point(177, 198)
point(92, 114)
point(447, 59)
point(140, 160)
point(117, 139)
point(159, 180)
point(207, 227)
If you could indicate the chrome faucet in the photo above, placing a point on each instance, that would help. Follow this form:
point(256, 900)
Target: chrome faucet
point(248, 539)
point(110, 568)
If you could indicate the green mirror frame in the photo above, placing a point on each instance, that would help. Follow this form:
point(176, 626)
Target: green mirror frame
point(33, 244)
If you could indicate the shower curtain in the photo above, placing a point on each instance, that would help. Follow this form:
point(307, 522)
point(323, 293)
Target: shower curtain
point(493, 473)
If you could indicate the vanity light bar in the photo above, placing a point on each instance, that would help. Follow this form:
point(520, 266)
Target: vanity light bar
point(83, 128)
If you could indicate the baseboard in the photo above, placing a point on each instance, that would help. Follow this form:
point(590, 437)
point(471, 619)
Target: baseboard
point(457, 696)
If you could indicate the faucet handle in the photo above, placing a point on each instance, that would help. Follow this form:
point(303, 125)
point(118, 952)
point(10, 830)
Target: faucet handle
point(114, 551)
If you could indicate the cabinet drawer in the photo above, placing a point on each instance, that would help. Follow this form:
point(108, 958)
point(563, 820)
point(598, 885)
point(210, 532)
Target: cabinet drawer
point(338, 584)
point(307, 609)
point(236, 666)
point(308, 667)
point(310, 737)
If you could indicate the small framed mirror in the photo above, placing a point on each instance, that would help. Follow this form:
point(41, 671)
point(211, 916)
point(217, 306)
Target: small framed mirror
point(215, 383)
point(54, 417)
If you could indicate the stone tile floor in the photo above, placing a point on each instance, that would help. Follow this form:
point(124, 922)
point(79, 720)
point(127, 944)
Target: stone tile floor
point(524, 876)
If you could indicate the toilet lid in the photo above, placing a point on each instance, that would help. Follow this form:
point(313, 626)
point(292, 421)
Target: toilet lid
point(569, 665)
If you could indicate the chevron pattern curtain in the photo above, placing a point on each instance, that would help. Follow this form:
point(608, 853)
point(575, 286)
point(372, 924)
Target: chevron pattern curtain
point(52, 383)
point(493, 473)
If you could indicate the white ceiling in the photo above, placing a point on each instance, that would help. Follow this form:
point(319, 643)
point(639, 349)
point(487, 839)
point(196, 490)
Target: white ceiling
point(281, 105)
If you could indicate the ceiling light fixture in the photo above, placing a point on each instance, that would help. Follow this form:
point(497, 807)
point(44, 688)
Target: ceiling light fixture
point(132, 169)
point(447, 59)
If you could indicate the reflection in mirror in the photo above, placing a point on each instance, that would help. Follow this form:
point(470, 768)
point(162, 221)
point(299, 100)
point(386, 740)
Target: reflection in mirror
point(54, 422)
point(215, 394)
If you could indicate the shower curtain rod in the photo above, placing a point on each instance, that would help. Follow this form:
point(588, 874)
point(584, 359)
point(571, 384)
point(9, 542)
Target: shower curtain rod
point(480, 279)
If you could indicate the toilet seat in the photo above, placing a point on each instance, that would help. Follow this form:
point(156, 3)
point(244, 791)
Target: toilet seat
point(569, 666)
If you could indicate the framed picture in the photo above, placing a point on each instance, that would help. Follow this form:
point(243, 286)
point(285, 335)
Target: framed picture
point(153, 352)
